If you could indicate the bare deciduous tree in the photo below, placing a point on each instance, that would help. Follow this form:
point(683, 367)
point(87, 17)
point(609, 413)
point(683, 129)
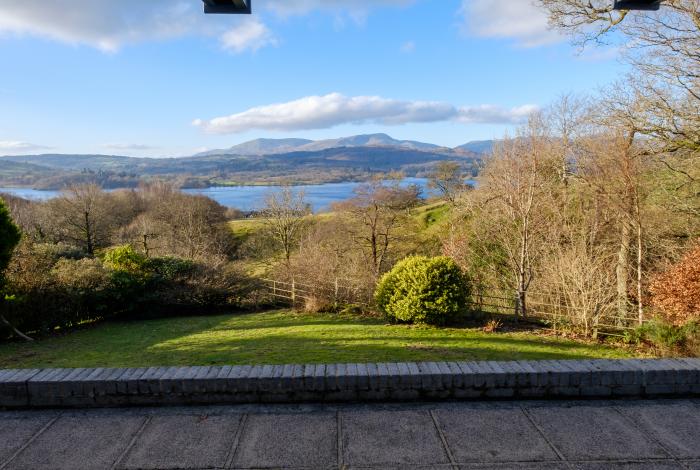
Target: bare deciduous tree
point(285, 217)
point(448, 179)
point(192, 227)
point(664, 48)
point(143, 232)
point(376, 212)
point(81, 215)
point(511, 211)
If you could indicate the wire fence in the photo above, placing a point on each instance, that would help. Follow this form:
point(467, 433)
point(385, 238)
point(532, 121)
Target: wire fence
point(546, 307)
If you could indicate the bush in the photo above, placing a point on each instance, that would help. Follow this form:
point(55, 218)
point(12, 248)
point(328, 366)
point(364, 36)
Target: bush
point(676, 292)
point(85, 288)
point(48, 294)
point(171, 269)
point(668, 338)
point(423, 290)
point(124, 258)
point(50, 286)
point(56, 251)
point(179, 286)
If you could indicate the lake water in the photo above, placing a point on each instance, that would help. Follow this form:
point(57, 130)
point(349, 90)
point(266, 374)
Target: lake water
point(247, 198)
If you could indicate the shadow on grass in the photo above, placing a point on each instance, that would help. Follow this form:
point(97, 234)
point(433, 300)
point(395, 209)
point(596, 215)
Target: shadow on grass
point(260, 320)
point(280, 348)
point(251, 339)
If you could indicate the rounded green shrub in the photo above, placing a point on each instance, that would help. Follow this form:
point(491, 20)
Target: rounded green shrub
point(125, 259)
point(425, 290)
point(171, 269)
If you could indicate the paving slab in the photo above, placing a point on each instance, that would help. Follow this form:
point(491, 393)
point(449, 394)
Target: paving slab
point(649, 465)
point(492, 433)
point(184, 441)
point(404, 467)
point(516, 466)
point(16, 431)
point(583, 431)
point(375, 438)
point(288, 440)
point(80, 442)
point(634, 435)
point(676, 425)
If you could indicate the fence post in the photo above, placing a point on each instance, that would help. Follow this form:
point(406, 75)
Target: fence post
point(293, 293)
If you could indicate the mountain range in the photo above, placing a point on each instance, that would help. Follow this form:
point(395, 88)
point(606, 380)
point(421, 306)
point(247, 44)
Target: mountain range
point(276, 146)
point(262, 160)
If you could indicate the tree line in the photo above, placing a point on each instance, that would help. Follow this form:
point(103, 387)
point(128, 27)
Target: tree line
point(90, 254)
point(590, 205)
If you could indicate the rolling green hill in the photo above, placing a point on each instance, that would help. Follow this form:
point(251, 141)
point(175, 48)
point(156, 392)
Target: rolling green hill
point(54, 171)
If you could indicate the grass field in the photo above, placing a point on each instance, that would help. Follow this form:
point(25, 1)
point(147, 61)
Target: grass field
point(283, 337)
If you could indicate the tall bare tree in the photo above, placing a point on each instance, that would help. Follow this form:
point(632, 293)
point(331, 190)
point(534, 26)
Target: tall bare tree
point(375, 213)
point(664, 48)
point(143, 232)
point(567, 119)
point(81, 215)
point(285, 216)
point(511, 211)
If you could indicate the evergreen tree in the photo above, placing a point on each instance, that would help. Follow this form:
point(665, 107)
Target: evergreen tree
point(9, 238)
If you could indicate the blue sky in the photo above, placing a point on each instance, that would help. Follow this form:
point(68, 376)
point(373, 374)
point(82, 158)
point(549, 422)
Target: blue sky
point(159, 78)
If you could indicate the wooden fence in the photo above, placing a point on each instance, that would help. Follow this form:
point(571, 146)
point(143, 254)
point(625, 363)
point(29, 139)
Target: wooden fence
point(542, 306)
point(296, 293)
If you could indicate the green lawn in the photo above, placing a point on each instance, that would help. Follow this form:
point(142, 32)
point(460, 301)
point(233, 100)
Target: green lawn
point(284, 337)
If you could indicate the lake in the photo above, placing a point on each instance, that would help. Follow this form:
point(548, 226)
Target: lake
point(248, 198)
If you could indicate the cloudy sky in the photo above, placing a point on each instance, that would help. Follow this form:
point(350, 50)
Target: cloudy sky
point(158, 78)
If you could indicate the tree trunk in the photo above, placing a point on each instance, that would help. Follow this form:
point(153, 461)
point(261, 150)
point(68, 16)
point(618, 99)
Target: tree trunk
point(15, 330)
point(522, 273)
point(145, 246)
point(522, 301)
point(375, 255)
point(640, 248)
point(640, 267)
point(88, 235)
point(621, 270)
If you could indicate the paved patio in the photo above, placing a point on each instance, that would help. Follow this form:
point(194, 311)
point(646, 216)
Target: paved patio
point(650, 434)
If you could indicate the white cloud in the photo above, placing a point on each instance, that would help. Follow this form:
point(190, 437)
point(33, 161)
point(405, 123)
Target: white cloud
point(111, 24)
point(16, 146)
point(487, 113)
point(126, 146)
point(354, 8)
point(104, 24)
point(520, 20)
point(250, 35)
point(322, 112)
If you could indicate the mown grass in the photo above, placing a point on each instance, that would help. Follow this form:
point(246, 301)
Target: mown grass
point(243, 228)
point(283, 337)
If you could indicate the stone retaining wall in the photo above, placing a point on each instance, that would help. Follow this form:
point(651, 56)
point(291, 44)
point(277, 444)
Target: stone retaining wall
point(28, 388)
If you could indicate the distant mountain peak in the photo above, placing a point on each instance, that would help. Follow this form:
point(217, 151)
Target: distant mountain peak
point(477, 146)
point(259, 147)
point(277, 146)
